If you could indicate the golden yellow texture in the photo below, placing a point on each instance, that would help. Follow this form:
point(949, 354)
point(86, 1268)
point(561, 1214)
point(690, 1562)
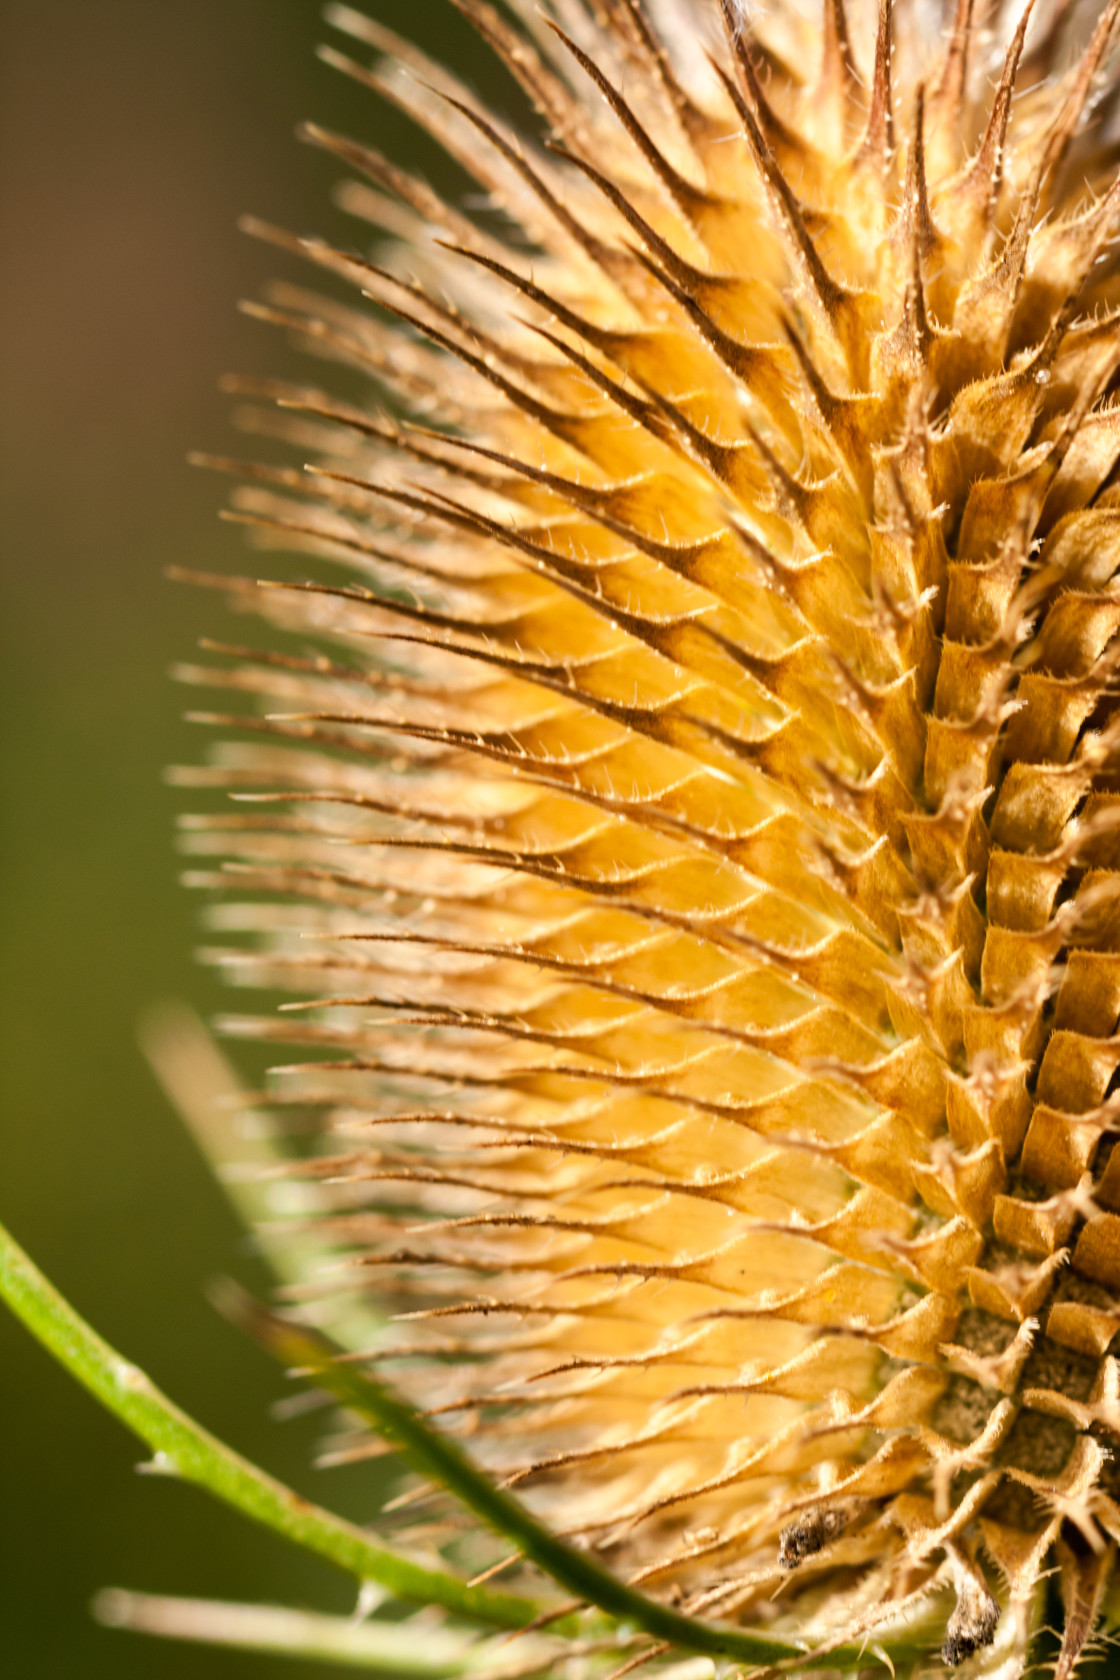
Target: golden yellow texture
point(691, 804)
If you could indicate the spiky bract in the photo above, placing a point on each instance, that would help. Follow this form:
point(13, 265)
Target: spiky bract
point(703, 831)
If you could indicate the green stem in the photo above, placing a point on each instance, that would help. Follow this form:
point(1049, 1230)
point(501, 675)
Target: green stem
point(186, 1450)
point(433, 1454)
point(399, 1652)
point(243, 1150)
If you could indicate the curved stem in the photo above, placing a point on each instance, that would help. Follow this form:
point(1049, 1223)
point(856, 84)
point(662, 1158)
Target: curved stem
point(435, 1455)
point(241, 1145)
point(396, 1651)
point(185, 1449)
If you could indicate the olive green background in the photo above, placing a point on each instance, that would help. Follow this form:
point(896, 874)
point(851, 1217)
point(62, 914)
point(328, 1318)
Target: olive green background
point(132, 134)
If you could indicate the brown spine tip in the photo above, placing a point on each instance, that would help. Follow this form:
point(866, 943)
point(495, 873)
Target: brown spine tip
point(1085, 1573)
point(972, 1626)
point(838, 68)
point(985, 173)
point(783, 140)
point(949, 93)
point(1076, 105)
point(810, 1533)
point(878, 136)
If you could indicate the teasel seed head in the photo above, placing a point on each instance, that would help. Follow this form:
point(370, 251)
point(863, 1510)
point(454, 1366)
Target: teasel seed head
point(689, 810)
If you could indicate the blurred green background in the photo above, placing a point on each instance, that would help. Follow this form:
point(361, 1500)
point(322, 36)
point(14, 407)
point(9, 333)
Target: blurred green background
point(132, 134)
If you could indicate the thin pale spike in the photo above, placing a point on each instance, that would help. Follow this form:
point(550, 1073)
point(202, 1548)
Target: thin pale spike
point(408, 367)
point(761, 368)
point(398, 808)
point(1064, 259)
point(363, 353)
point(551, 866)
point(707, 923)
point(984, 175)
point(256, 472)
point(693, 1550)
point(877, 143)
point(916, 208)
point(724, 461)
point(1069, 118)
point(773, 1040)
point(417, 194)
point(314, 665)
point(839, 305)
point(784, 140)
point(273, 390)
point(696, 124)
point(1085, 1577)
point(602, 339)
point(544, 1467)
point(438, 108)
point(844, 417)
point(947, 97)
point(603, 255)
point(623, 1223)
point(632, 1664)
point(582, 970)
point(594, 501)
point(510, 1307)
point(689, 199)
point(551, 96)
point(318, 534)
point(392, 218)
point(360, 270)
point(553, 419)
point(985, 311)
point(684, 271)
point(410, 438)
point(658, 637)
point(839, 80)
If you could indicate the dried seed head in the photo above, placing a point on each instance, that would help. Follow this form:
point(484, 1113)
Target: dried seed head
point(702, 837)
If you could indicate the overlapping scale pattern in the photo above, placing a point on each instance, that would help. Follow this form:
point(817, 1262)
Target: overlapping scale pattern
point(687, 804)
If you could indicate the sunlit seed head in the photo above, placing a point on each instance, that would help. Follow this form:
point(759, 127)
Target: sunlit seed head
point(689, 794)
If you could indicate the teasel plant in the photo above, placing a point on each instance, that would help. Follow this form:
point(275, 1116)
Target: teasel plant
point(677, 783)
